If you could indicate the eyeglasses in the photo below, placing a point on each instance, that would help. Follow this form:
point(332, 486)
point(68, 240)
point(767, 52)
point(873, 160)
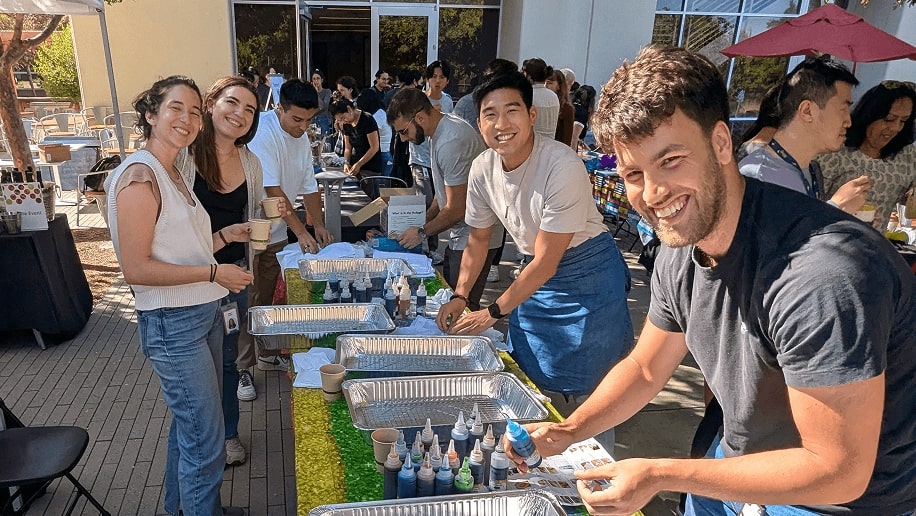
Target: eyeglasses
point(893, 85)
point(403, 132)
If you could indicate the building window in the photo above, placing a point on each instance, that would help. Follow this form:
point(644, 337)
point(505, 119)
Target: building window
point(708, 26)
point(467, 40)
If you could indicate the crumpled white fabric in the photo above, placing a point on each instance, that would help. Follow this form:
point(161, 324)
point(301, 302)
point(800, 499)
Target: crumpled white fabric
point(290, 255)
point(420, 263)
point(306, 366)
point(427, 326)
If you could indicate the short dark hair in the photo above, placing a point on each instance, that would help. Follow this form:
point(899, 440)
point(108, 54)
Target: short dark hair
point(442, 65)
point(350, 83)
point(149, 101)
point(339, 106)
point(512, 81)
point(296, 92)
point(499, 65)
point(536, 69)
point(876, 104)
point(369, 101)
point(406, 103)
point(643, 94)
point(408, 76)
point(767, 114)
point(813, 79)
point(379, 72)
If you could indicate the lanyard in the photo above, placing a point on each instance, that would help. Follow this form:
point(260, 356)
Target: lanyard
point(813, 189)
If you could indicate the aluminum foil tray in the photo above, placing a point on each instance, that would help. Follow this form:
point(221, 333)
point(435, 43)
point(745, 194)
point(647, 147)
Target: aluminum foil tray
point(273, 327)
point(392, 355)
point(345, 268)
point(405, 402)
point(528, 502)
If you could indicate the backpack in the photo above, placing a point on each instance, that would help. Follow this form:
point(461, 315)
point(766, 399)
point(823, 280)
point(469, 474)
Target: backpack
point(96, 182)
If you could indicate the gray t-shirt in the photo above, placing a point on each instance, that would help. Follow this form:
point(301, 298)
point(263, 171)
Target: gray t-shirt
point(419, 154)
point(765, 165)
point(806, 296)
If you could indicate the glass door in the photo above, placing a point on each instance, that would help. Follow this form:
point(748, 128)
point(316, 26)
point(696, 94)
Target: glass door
point(407, 37)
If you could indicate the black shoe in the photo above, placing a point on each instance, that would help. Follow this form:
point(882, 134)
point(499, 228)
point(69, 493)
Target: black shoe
point(233, 511)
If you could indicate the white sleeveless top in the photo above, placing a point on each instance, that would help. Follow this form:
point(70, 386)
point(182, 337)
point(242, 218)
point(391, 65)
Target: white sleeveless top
point(182, 236)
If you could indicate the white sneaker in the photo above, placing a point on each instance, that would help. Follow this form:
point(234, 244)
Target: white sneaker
point(493, 275)
point(275, 363)
point(235, 452)
point(245, 391)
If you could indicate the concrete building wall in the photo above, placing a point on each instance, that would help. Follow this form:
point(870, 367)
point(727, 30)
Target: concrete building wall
point(149, 40)
point(593, 37)
point(900, 22)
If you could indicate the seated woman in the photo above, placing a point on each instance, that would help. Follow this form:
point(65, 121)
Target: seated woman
point(759, 134)
point(880, 145)
point(361, 143)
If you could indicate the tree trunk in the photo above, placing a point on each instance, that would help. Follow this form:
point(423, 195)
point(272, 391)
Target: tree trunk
point(11, 119)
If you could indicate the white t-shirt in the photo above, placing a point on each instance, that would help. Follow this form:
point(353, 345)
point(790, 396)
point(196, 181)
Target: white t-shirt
point(550, 191)
point(548, 107)
point(384, 130)
point(286, 162)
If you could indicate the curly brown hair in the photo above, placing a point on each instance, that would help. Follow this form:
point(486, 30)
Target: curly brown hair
point(150, 100)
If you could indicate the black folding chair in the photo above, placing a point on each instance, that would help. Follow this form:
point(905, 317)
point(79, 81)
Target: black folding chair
point(34, 456)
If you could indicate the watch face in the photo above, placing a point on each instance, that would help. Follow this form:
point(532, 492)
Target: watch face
point(494, 311)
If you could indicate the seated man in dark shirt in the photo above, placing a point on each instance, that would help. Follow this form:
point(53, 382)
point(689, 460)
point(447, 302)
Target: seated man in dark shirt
point(800, 317)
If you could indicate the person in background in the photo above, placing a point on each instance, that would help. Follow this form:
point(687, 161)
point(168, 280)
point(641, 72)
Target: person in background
point(437, 75)
point(879, 143)
point(567, 115)
point(381, 85)
point(568, 316)
point(546, 102)
point(322, 118)
point(265, 99)
point(453, 146)
point(813, 116)
point(570, 77)
point(798, 315)
point(759, 134)
point(584, 105)
point(164, 244)
point(286, 161)
point(400, 150)
point(347, 88)
point(361, 143)
point(369, 103)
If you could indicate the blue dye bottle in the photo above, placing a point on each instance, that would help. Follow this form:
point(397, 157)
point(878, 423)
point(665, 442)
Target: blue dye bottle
point(407, 480)
point(521, 442)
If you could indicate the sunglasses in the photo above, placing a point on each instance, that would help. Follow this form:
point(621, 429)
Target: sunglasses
point(402, 132)
point(893, 85)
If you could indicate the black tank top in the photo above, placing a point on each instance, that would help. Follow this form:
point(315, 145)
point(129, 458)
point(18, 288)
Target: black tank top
point(225, 209)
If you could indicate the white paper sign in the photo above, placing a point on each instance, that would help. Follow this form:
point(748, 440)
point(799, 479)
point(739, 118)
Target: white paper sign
point(25, 198)
point(405, 211)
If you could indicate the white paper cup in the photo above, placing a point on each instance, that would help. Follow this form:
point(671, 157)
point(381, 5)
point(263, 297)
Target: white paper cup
point(271, 207)
point(260, 233)
point(867, 213)
point(332, 376)
point(382, 439)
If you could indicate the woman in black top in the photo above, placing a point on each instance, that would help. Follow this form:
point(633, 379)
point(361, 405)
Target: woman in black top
point(361, 143)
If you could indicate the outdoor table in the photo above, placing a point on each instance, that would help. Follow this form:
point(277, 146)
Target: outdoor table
point(43, 285)
point(332, 180)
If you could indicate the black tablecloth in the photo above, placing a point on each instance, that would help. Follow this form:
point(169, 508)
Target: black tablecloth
point(42, 284)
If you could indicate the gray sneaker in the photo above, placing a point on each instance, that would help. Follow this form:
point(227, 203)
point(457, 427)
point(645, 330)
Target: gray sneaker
point(235, 452)
point(245, 391)
point(275, 363)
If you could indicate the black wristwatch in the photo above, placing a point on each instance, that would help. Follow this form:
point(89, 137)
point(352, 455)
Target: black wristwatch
point(422, 233)
point(495, 312)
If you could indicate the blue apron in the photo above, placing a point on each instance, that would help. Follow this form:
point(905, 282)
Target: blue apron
point(573, 329)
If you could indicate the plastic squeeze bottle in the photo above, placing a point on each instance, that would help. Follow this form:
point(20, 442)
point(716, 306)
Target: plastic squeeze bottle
point(521, 442)
point(487, 445)
point(401, 446)
point(421, 299)
point(391, 303)
point(499, 469)
point(416, 453)
point(435, 453)
point(460, 435)
point(407, 480)
point(426, 436)
point(445, 481)
point(345, 296)
point(392, 467)
point(329, 295)
point(452, 456)
point(334, 281)
point(464, 482)
point(476, 465)
point(426, 478)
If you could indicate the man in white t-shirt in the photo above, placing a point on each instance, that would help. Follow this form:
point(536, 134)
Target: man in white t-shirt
point(545, 101)
point(569, 319)
point(286, 159)
point(453, 145)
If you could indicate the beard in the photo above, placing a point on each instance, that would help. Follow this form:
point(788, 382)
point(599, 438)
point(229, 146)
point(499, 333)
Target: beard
point(419, 135)
point(708, 205)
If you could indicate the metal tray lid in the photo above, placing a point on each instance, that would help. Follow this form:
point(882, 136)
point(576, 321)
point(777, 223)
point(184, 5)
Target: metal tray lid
point(527, 502)
point(316, 321)
point(418, 354)
point(320, 269)
point(407, 401)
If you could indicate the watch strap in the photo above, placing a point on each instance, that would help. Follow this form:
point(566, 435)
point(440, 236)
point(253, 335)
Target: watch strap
point(495, 311)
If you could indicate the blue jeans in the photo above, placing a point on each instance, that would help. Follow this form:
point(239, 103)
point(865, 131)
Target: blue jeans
point(184, 348)
point(230, 371)
point(387, 163)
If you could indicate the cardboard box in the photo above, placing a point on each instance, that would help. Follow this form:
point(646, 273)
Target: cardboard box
point(399, 209)
point(54, 152)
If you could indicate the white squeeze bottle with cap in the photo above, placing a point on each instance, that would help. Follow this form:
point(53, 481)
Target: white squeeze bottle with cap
point(521, 443)
point(421, 299)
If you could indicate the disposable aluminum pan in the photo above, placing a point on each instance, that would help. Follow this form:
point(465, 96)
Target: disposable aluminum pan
point(528, 502)
point(405, 402)
point(273, 327)
point(345, 268)
point(392, 355)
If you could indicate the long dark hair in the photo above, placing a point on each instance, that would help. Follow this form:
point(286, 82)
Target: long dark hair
point(149, 101)
point(876, 104)
point(204, 147)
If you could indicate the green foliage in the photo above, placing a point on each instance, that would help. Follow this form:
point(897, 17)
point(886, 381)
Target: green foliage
point(56, 63)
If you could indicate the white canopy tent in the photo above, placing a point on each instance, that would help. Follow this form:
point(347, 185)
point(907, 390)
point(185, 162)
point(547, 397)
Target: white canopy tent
point(74, 8)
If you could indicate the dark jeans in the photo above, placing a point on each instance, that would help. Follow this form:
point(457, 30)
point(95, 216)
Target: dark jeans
point(452, 265)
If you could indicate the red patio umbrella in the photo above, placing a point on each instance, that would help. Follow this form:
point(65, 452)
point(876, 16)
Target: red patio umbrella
point(826, 30)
